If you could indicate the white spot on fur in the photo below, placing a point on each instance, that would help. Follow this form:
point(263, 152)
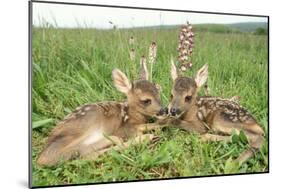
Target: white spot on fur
point(200, 115)
point(126, 118)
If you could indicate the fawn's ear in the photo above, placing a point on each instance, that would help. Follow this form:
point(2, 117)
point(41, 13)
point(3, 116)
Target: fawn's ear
point(201, 76)
point(143, 69)
point(174, 71)
point(121, 81)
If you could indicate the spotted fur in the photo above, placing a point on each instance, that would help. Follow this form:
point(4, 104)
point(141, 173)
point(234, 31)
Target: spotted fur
point(229, 110)
point(109, 109)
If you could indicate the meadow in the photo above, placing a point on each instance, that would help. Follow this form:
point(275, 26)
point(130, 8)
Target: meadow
point(71, 67)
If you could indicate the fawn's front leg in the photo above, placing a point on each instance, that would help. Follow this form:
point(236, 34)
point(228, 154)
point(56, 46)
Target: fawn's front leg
point(150, 126)
point(214, 137)
point(189, 126)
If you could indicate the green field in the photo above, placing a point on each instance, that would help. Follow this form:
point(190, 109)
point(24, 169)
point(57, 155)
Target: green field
point(72, 67)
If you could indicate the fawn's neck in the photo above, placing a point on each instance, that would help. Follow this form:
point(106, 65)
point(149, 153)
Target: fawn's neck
point(135, 117)
point(191, 114)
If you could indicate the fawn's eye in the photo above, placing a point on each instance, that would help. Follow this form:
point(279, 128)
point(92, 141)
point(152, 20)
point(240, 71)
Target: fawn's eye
point(188, 98)
point(146, 102)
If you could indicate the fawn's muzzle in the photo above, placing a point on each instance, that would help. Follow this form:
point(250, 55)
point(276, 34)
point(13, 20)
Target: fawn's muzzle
point(163, 110)
point(174, 111)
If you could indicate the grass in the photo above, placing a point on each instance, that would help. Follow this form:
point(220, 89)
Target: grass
point(73, 66)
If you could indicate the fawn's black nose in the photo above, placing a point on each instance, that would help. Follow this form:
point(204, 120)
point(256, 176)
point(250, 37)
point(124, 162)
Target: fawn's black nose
point(174, 111)
point(163, 110)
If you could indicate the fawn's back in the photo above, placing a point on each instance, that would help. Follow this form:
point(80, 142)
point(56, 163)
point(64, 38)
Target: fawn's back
point(214, 110)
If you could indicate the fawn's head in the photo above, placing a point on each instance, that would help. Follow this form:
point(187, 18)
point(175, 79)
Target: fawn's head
point(143, 96)
point(185, 90)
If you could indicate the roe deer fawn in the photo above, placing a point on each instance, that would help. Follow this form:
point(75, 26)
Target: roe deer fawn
point(95, 128)
point(205, 113)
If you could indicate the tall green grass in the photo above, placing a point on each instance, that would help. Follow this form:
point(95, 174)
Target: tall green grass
point(73, 66)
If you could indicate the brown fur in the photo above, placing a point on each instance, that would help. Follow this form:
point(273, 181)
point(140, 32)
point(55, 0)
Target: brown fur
point(215, 114)
point(92, 128)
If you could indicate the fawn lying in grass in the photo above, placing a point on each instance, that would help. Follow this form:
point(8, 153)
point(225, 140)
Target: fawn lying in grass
point(93, 129)
point(205, 114)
